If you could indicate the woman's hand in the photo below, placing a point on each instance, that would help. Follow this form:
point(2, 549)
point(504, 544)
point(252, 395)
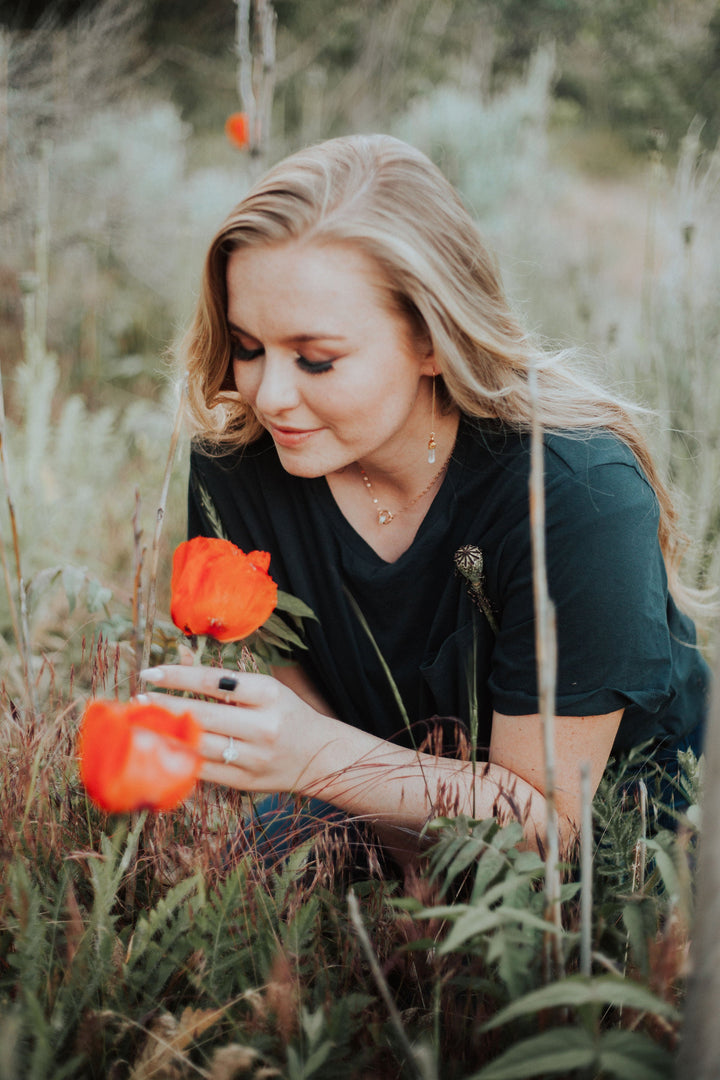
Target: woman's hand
point(279, 740)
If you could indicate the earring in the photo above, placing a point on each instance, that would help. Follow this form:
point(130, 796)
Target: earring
point(431, 441)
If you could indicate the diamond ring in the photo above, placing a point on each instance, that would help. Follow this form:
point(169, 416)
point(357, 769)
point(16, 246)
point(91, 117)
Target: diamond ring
point(231, 752)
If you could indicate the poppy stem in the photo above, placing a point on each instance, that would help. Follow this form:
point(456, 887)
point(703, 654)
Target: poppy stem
point(199, 650)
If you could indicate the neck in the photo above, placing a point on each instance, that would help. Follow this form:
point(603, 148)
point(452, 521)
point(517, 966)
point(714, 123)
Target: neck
point(402, 472)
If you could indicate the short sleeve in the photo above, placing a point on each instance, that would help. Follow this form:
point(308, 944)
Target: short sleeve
point(607, 580)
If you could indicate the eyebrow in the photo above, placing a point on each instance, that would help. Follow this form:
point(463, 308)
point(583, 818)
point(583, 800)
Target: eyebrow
point(291, 338)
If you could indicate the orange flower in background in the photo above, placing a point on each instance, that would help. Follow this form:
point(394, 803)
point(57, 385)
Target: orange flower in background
point(135, 757)
point(220, 591)
point(237, 129)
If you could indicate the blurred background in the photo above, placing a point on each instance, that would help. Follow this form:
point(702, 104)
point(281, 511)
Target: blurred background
point(582, 133)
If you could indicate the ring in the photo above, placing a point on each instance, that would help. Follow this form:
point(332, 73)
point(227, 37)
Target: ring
point(231, 752)
point(227, 683)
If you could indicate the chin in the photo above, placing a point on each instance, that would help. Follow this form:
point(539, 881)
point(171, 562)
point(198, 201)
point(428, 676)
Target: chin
point(295, 466)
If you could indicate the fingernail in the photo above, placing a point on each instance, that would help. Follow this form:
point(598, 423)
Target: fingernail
point(153, 674)
point(227, 683)
point(142, 699)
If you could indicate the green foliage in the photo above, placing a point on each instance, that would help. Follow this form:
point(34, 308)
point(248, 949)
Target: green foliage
point(493, 150)
point(626, 1055)
point(115, 943)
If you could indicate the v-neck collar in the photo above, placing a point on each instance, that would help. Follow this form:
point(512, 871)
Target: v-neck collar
point(436, 520)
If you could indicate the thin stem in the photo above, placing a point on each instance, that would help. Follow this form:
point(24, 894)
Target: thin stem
point(137, 600)
point(586, 889)
point(267, 19)
point(700, 1044)
point(155, 557)
point(20, 627)
point(546, 657)
point(243, 51)
point(423, 1068)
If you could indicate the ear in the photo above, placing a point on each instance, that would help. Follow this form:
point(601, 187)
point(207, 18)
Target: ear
point(428, 365)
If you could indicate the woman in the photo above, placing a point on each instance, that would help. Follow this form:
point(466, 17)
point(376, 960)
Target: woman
point(359, 389)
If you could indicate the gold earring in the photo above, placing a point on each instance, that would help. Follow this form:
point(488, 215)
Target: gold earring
point(431, 441)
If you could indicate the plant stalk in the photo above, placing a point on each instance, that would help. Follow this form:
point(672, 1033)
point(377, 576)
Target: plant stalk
point(700, 1040)
point(160, 517)
point(586, 887)
point(423, 1068)
point(546, 658)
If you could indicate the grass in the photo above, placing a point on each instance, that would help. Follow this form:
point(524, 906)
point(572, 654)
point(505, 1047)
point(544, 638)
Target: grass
point(129, 941)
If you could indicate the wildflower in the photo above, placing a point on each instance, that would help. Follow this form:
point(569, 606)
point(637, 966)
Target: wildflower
point(135, 756)
point(220, 591)
point(237, 129)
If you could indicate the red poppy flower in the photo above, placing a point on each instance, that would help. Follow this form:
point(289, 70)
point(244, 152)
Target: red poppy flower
point(219, 590)
point(135, 756)
point(237, 129)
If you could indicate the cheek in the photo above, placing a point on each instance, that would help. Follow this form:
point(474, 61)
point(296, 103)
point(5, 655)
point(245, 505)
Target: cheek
point(245, 378)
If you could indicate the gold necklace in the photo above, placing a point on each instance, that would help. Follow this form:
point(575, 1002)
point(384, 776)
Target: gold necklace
point(385, 516)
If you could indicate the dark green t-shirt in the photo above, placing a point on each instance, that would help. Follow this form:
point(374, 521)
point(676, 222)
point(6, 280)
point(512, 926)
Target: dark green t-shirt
point(622, 643)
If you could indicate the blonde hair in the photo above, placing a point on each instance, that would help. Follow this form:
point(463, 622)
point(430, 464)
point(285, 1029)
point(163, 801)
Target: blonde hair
point(388, 201)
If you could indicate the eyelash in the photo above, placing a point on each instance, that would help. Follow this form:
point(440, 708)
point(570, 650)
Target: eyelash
point(310, 367)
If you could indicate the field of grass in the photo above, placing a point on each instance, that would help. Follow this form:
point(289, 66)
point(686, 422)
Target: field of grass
point(132, 948)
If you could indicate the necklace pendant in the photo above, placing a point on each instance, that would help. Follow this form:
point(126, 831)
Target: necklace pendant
point(384, 517)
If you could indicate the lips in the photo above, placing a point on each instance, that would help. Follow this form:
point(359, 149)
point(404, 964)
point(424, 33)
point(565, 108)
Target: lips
point(290, 437)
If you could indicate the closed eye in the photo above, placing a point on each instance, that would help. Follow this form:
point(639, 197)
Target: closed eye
point(239, 352)
point(314, 367)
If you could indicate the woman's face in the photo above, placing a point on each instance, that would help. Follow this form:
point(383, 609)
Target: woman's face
point(332, 374)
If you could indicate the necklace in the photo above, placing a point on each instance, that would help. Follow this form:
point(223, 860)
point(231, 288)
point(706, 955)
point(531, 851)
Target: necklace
point(385, 516)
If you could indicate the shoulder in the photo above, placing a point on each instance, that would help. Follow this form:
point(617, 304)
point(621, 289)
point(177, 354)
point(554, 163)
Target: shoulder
point(584, 471)
point(594, 475)
point(579, 453)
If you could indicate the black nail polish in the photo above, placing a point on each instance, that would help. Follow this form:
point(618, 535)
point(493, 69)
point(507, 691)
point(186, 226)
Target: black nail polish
point(227, 683)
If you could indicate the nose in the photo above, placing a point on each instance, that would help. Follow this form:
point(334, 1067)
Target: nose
point(277, 390)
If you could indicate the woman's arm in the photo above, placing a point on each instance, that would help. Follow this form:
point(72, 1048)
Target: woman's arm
point(517, 744)
point(288, 745)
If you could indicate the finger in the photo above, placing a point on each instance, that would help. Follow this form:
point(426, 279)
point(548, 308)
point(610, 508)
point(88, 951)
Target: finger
point(243, 779)
point(244, 724)
point(233, 687)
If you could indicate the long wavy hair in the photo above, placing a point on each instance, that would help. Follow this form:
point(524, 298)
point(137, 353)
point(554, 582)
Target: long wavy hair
point(388, 201)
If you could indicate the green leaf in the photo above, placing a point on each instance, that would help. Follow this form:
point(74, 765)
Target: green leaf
point(443, 911)
point(98, 596)
point(42, 580)
point(294, 606)
point(469, 852)
point(529, 862)
point(631, 1055)
point(445, 853)
point(481, 920)
point(568, 890)
point(73, 579)
point(489, 866)
point(578, 990)
point(277, 626)
point(553, 1052)
point(667, 868)
point(640, 919)
point(508, 836)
